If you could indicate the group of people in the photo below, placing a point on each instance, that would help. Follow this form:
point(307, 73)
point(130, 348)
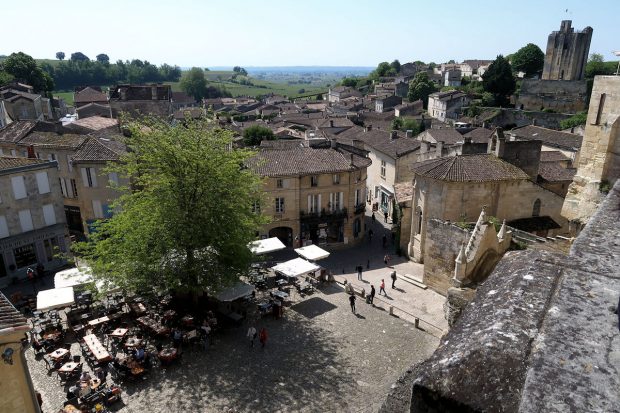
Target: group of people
point(371, 296)
point(253, 334)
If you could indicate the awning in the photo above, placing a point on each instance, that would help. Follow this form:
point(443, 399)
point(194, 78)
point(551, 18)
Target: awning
point(296, 267)
point(312, 252)
point(72, 277)
point(239, 290)
point(265, 246)
point(55, 298)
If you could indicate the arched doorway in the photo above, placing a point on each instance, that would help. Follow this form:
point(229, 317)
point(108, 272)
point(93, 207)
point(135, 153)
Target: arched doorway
point(284, 234)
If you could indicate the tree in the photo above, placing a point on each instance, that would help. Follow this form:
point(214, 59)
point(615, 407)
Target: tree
point(597, 66)
point(395, 65)
point(103, 58)
point(575, 120)
point(24, 68)
point(79, 57)
point(240, 70)
point(253, 135)
point(420, 87)
point(529, 59)
point(60, 55)
point(499, 80)
point(187, 220)
point(194, 83)
point(349, 81)
point(405, 124)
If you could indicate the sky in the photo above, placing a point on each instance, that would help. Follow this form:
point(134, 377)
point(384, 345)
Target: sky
point(297, 32)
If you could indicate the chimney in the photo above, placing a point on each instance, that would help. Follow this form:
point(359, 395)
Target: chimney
point(393, 135)
point(351, 159)
point(331, 123)
point(409, 133)
point(572, 130)
point(31, 154)
point(423, 146)
point(333, 144)
point(484, 124)
point(438, 148)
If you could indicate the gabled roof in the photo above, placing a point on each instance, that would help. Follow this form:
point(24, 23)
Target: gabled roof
point(95, 150)
point(553, 156)
point(305, 161)
point(554, 172)
point(550, 137)
point(479, 135)
point(448, 95)
point(93, 123)
point(469, 168)
point(53, 140)
point(381, 140)
point(14, 132)
point(89, 94)
point(448, 136)
point(7, 162)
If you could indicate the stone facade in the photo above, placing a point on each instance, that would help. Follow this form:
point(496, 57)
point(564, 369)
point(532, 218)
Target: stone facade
point(567, 53)
point(599, 159)
point(562, 96)
point(141, 100)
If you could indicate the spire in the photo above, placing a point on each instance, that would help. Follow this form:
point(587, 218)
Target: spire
point(461, 257)
point(502, 231)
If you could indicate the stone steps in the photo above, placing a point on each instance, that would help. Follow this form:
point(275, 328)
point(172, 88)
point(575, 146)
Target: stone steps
point(412, 280)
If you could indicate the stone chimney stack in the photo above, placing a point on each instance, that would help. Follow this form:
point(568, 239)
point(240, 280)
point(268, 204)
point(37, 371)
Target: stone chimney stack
point(439, 148)
point(409, 133)
point(331, 123)
point(423, 146)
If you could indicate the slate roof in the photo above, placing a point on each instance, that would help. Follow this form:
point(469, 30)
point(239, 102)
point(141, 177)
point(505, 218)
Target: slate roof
point(554, 172)
point(305, 161)
point(9, 316)
point(448, 95)
point(96, 150)
point(447, 136)
point(469, 168)
point(553, 156)
point(53, 140)
point(479, 135)
point(8, 162)
point(13, 132)
point(549, 137)
point(88, 95)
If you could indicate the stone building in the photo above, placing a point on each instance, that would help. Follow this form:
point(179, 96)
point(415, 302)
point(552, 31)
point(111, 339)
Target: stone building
point(83, 96)
point(18, 394)
point(446, 105)
point(313, 194)
point(140, 100)
point(598, 167)
point(32, 220)
point(566, 143)
point(336, 94)
point(567, 53)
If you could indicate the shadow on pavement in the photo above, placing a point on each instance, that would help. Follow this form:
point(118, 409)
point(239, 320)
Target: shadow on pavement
point(313, 307)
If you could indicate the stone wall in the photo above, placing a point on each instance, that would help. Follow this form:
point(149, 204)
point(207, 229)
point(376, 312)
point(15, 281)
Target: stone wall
point(564, 96)
point(517, 118)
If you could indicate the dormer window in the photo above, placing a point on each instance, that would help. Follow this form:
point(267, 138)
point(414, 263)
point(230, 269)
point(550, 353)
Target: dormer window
point(314, 180)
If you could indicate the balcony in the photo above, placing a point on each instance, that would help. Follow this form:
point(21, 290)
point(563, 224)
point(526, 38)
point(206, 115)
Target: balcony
point(324, 216)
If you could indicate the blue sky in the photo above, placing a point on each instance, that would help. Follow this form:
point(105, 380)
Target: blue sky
point(295, 32)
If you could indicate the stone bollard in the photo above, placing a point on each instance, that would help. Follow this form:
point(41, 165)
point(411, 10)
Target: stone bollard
point(391, 310)
point(416, 323)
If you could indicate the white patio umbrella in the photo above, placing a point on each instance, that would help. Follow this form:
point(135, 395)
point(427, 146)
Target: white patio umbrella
point(312, 252)
point(296, 267)
point(72, 277)
point(265, 246)
point(55, 298)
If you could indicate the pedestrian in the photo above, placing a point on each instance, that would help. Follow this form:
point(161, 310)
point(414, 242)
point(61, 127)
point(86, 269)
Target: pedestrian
point(262, 337)
point(387, 259)
point(352, 301)
point(382, 287)
point(368, 264)
point(385, 216)
point(372, 294)
point(384, 241)
point(359, 272)
point(373, 217)
point(251, 335)
point(31, 278)
point(393, 275)
point(370, 234)
point(177, 337)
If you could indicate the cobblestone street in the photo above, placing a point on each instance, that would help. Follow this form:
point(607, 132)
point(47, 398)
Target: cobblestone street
point(319, 358)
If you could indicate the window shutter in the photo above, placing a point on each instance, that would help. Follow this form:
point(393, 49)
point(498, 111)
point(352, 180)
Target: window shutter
point(69, 163)
point(25, 220)
point(97, 210)
point(310, 204)
point(93, 176)
point(341, 196)
point(49, 215)
point(84, 177)
point(19, 187)
point(4, 228)
point(332, 207)
point(43, 182)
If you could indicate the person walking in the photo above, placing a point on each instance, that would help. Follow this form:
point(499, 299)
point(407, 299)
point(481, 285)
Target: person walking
point(382, 287)
point(393, 275)
point(384, 241)
point(352, 301)
point(387, 259)
point(385, 216)
point(262, 337)
point(251, 335)
point(373, 217)
point(372, 294)
point(359, 272)
point(31, 278)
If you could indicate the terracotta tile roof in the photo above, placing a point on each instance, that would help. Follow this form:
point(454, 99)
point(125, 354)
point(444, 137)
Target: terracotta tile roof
point(549, 137)
point(305, 161)
point(96, 150)
point(94, 123)
point(8, 162)
point(554, 172)
point(381, 141)
point(479, 135)
point(9, 316)
point(89, 94)
point(53, 140)
point(469, 168)
point(403, 191)
point(447, 136)
point(284, 144)
point(553, 156)
point(13, 132)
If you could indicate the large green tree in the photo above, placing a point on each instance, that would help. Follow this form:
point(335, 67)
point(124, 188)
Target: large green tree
point(253, 135)
point(598, 66)
point(499, 80)
point(529, 59)
point(24, 68)
point(188, 218)
point(194, 83)
point(420, 87)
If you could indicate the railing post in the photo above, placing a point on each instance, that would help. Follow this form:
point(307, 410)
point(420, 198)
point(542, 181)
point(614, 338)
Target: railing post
point(416, 323)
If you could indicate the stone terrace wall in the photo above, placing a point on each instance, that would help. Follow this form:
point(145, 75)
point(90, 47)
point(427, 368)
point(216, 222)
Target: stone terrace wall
point(510, 117)
point(565, 96)
point(443, 242)
point(540, 335)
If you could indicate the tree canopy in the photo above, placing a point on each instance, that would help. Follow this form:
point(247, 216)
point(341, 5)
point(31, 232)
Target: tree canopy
point(405, 124)
point(528, 59)
point(253, 135)
point(499, 80)
point(240, 70)
point(598, 66)
point(103, 58)
point(79, 57)
point(60, 55)
point(395, 65)
point(420, 87)
point(194, 83)
point(186, 222)
point(23, 68)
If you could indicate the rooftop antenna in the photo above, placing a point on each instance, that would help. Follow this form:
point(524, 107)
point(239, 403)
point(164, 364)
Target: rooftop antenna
point(617, 53)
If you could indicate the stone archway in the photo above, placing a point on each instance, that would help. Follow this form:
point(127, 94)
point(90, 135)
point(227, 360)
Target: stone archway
point(284, 234)
point(485, 265)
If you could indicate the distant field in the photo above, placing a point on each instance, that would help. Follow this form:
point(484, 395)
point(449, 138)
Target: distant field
point(67, 96)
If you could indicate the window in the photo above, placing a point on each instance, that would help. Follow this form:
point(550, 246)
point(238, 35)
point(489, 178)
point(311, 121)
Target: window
point(314, 204)
point(89, 177)
point(279, 183)
point(382, 168)
point(357, 197)
point(256, 207)
point(19, 187)
point(336, 201)
point(279, 205)
point(25, 220)
point(43, 182)
point(25, 256)
point(13, 153)
point(74, 188)
point(49, 215)
point(97, 210)
point(418, 226)
point(336, 179)
point(113, 179)
point(314, 181)
point(51, 247)
point(536, 208)
point(4, 228)
point(1, 152)
point(70, 163)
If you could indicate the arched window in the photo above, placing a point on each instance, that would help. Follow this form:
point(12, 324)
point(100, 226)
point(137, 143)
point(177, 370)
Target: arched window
point(418, 224)
point(536, 209)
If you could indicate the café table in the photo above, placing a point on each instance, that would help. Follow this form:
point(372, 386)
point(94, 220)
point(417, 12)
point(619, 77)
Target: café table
point(281, 295)
point(96, 348)
point(281, 282)
point(168, 354)
point(58, 354)
point(99, 320)
point(119, 332)
point(133, 342)
point(68, 367)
